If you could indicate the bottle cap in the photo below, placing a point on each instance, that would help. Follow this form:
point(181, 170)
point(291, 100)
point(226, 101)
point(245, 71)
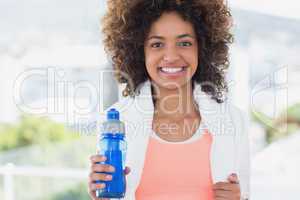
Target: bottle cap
point(113, 114)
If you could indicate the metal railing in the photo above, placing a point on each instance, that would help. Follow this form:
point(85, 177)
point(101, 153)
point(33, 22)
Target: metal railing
point(9, 170)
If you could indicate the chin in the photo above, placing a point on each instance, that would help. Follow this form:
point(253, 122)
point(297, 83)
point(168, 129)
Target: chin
point(172, 84)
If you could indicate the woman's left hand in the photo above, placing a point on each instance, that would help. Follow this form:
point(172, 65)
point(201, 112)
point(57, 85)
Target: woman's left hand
point(227, 190)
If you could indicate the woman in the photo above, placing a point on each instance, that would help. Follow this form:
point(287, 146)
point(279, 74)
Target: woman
point(185, 140)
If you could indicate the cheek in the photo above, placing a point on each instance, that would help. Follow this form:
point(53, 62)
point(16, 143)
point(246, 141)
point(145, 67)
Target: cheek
point(147, 62)
point(192, 57)
point(151, 61)
point(196, 57)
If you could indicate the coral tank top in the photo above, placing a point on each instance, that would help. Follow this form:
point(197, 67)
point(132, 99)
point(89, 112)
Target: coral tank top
point(177, 171)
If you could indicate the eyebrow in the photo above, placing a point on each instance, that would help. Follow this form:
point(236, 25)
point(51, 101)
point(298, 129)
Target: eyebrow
point(179, 36)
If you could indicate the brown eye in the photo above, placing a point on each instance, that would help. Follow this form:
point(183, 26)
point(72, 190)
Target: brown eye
point(156, 45)
point(185, 44)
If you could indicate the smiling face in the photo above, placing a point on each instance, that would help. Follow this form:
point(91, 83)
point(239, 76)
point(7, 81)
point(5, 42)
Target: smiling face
point(171, 51)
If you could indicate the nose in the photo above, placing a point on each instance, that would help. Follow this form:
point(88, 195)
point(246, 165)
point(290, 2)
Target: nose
point(171, 55)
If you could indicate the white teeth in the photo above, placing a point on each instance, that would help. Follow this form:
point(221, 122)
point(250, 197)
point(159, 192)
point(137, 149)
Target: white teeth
point(171, 69)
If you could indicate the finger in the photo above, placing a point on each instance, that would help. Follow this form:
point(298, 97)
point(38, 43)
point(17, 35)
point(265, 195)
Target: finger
point(222, 194)
point(220, 185)
point(232, 178)
point(92, 194)
point(232, 195)
point(94, 186)
point(102, 168)
point(220, 198)
point(92, 189)
point(127, 170)
point(226, 186)
point(94, 197)
point(100, 177)
point(97, 158)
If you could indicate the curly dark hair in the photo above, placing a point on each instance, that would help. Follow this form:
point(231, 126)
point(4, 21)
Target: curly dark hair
point(127, 24)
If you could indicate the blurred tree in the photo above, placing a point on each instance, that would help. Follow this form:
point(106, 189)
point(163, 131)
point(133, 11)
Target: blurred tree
point(78, 192)
point(287, 123)
point(32, 130)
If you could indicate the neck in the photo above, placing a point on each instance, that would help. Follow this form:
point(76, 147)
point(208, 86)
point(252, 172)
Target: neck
point(176, 102)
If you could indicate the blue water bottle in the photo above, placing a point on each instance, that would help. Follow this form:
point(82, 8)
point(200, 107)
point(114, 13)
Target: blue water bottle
point(113, 146)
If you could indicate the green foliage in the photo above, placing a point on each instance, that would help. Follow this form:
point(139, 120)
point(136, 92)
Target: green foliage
point(287, 123)
point(32, 130)
point(293, 113)
point(79, 192)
